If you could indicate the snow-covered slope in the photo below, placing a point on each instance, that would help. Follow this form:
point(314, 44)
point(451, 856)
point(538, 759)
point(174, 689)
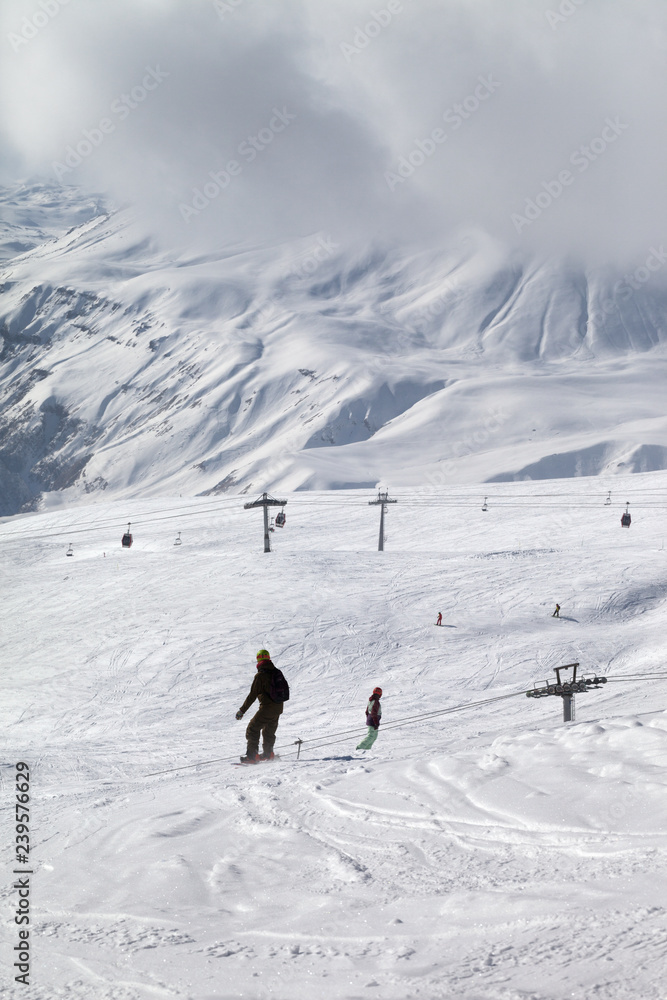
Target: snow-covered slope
point(307, 366)
point(489, 854)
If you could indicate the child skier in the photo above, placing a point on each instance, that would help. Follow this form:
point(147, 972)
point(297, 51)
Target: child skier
point(373, 716)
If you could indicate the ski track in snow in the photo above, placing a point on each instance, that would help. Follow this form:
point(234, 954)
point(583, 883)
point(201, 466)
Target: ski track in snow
point(492, 854)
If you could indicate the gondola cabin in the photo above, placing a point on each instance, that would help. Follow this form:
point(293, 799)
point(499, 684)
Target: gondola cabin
point(280, 519)
point(126, 540)
point(626, 520)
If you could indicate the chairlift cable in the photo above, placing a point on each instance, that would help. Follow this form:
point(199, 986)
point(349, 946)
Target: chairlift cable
point(331, 739)
point(317, 743)
point(637, 677)
point(649, 498)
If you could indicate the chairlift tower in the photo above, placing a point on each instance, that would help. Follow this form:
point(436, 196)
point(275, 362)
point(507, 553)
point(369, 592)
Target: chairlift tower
point(265, 501)
point(382, 500)
point(567, 689)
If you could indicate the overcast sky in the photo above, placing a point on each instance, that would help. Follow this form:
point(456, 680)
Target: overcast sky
point(540, 121)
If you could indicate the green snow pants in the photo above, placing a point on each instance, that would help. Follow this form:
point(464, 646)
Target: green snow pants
point(368, 740)
point(262, 724)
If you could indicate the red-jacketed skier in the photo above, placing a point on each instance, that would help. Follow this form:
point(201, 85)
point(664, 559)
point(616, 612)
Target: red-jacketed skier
point(439, 621)
point(373, 716)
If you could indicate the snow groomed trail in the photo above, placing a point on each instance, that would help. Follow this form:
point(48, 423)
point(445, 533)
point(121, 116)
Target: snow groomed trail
point(489, 854)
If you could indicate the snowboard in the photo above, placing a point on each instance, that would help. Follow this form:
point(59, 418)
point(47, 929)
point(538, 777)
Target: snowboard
point(243, 763)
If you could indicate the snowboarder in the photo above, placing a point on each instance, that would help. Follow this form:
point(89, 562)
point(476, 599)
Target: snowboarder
point(270, 688)
point(373, 716)
point(439, 621)
point(556, 613)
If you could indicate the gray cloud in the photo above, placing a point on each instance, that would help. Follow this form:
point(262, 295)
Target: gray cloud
point(405, 119)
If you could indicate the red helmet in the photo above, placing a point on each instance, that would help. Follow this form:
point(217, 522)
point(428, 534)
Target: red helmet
point(378, 692)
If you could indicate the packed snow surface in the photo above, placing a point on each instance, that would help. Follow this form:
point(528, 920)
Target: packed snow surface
point(494, 853)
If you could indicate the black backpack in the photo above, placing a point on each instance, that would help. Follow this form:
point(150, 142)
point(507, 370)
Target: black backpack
point(279, 688)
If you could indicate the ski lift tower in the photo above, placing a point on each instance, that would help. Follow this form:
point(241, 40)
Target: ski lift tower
point(265, 501)
point(566, 689)
point(382, 500)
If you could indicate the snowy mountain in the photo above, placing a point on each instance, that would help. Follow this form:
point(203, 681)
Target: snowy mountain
point(308, 365)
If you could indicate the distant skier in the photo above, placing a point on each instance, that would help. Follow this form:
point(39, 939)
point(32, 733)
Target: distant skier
point(373, 716)
point(271, 689)
point(556, 613)
point(439, 621)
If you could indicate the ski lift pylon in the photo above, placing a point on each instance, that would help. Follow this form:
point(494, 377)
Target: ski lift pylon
point(126, 540)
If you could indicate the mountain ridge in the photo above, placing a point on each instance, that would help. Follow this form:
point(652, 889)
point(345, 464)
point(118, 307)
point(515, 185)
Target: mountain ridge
point(306, 365)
